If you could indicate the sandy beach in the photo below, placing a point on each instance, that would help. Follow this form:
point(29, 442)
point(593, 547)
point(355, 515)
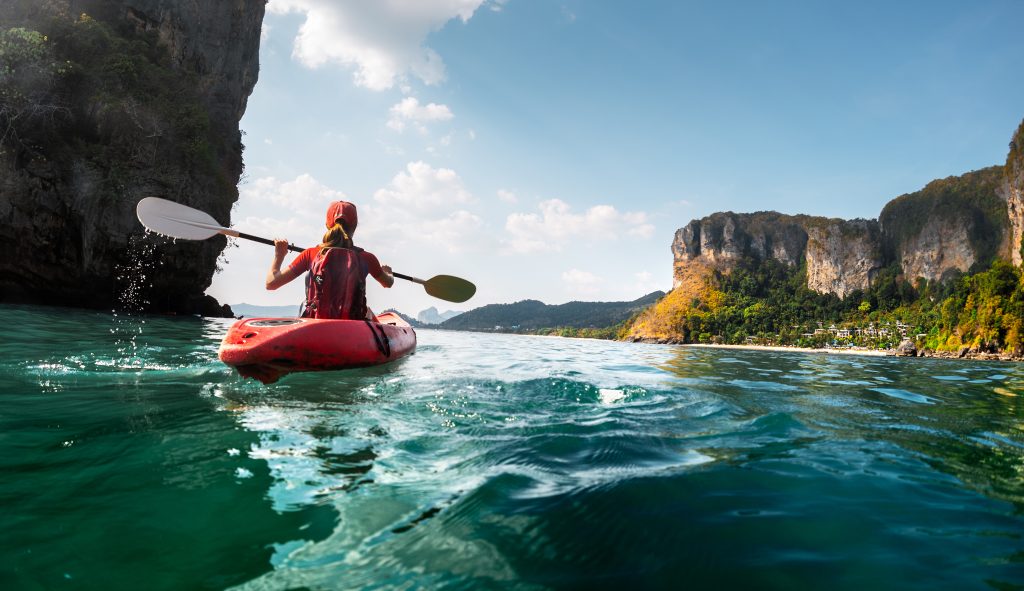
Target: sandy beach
point(851, 351)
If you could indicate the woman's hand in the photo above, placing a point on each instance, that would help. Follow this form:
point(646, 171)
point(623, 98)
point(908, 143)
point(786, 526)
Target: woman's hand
point(280, 248)
point(389, 276)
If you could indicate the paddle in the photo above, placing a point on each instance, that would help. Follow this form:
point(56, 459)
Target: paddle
point(180, 221)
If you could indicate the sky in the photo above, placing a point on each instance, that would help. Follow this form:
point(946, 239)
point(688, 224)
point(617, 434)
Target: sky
point(549, 149)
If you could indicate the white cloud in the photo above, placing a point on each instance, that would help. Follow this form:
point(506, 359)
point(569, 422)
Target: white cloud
point(582, 283)
point(507, 196)
point(424, 208)
point(422, 188)
point(304, 194)
point(411, 111)
point(383, 40)
point(557, 224)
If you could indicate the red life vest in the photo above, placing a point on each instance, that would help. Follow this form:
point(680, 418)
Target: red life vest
point(336, 285)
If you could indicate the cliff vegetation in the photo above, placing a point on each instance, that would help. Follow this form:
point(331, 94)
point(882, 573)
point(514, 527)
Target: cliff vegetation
point(766, 302)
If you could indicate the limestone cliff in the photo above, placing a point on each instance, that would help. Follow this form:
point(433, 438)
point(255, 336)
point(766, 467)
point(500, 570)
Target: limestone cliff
point(721, 240)
point(841, 256)
point(103, 102)
point(948, 226)
point(1012, 190)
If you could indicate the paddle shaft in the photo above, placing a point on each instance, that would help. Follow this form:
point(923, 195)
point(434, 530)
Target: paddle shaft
point(294, 248)
point(409, 278)
point(187, 223)
point(291, 247)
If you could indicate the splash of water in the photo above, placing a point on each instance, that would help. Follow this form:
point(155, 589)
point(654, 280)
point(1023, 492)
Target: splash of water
point(134, 286)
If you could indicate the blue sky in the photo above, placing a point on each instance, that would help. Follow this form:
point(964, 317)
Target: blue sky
point(549, 149)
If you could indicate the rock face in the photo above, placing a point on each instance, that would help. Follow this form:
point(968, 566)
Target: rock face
point(949, 225)
point(906, 348)
point(953, 225)
point(841, 256)
point(1012, 190)
point(721, 240)
point(149, 105)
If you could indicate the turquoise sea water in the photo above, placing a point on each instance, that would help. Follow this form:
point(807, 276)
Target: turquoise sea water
point(130, 458)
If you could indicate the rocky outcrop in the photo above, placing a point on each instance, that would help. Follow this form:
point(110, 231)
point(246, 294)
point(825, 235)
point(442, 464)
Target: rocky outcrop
point(721, 240)
point(1012, 191)
point(148, 104)
point(906, 348)
point(949, 226)
point(940, 248)
point(841, 256)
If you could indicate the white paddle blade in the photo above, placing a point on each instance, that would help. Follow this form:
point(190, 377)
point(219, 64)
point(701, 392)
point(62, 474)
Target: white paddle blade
point(177, 220)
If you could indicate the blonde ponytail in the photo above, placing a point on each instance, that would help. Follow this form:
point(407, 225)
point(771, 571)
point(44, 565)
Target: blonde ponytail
point(336, 236)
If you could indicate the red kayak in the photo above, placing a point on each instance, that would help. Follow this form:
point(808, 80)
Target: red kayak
point(268, 348)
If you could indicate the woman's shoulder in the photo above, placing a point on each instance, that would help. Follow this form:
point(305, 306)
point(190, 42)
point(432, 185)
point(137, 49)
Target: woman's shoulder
point(371, 261)
point(305, 258)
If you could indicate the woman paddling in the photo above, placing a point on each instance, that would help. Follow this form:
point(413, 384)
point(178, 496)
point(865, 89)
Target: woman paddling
point(336, 284)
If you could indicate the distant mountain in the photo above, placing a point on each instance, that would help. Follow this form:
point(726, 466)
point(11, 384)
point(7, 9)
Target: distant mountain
point(531, 315)
point(432, 316)
point(412, 321)
point(254, 311)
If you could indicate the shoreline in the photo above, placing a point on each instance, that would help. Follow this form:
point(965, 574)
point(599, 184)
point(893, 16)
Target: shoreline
point(965, 355)
point(785, 349)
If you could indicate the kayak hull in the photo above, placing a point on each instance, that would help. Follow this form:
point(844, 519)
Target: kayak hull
point(268, 348)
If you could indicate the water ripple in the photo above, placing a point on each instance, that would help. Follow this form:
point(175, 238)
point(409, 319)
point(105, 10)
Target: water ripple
point(496, 461)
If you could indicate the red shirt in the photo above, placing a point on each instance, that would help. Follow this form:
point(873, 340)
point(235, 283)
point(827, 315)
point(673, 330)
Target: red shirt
point(302, 262)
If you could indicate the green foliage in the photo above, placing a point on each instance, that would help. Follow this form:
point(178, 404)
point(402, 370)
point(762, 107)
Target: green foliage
point(124, 108)
point(766, 302)
point(984, 311)
point(21, 49)
point(617, 331)
point(587, 319)
point(28, 72)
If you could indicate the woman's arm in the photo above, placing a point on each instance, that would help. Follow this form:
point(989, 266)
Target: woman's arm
point(276, 278)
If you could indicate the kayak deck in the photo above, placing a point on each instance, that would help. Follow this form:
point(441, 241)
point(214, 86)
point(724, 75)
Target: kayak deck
point(268, 348)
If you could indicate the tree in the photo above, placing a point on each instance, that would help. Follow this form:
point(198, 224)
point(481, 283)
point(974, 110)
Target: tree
point(28, 71)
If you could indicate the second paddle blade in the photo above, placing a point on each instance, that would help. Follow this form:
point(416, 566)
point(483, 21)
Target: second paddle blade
point(452, 289)
point(175, 220)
